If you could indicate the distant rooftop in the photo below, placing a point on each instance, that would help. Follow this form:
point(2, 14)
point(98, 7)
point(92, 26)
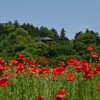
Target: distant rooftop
point(40, 42)
point(47, 38)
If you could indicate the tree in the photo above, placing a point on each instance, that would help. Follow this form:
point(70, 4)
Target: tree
point(21, 31)
point(63, 38)
point(56, 36)
point(62, 34)
point(87, 31)
point(88, 38)
point(29, 28)
point(45, 32)
point(1, 29)
point(77, 34)
point(16, 24)
point(80, 48)
point(8, 28)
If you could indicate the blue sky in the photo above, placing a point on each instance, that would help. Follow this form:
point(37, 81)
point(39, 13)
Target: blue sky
point(72, 15)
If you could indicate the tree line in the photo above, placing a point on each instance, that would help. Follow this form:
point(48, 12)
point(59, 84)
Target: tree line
point(26, 38)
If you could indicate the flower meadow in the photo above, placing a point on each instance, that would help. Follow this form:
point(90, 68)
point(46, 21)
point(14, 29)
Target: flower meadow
point(37, 79)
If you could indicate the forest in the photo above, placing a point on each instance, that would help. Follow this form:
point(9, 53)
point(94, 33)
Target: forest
point(26, 39)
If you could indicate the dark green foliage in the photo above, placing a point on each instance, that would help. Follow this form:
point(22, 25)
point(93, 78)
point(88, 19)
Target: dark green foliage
point(80, 48)
point(56, 36)
point(26, 38)
point(88, 38)
point(62, 34)
point(63, 38)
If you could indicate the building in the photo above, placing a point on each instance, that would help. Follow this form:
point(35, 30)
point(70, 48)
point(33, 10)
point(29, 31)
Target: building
point(46, 39)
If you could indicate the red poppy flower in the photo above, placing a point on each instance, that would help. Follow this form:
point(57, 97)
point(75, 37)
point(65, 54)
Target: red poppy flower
point(55, 66)
point(13, 62)
point(99, 86)
point(2, 62)
point(40, 61)
point(89, 48)
point(20, 68)
point(61, 94)
point(58, 98)
point(94, 55)
point(33, 71)
point(31, 64)
point(12, 74)
point(88, 75)
point(40, 98)
point(72, 62)
point(97, 67)
point(62, 63)
point(59, 71)
point(79, 69)
point(70, 77)
point(4, 82)
point(36, 59)
point(44, 70)
point(27, 60)
point(21, 57)
point(46, 62)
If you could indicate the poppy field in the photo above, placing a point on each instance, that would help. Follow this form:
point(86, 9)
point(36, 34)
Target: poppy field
point(37, 79)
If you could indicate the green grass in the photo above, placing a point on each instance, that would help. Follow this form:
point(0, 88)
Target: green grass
point(27, 87)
